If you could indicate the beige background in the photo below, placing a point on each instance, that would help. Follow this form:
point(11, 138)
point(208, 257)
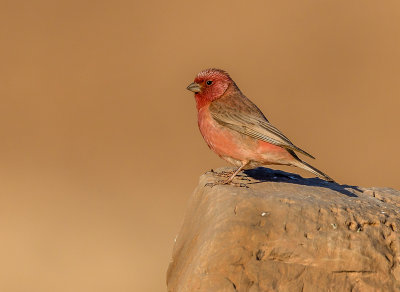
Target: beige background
point(99, 146)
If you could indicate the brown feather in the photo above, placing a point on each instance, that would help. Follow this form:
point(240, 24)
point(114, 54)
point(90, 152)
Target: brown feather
point(237, 112)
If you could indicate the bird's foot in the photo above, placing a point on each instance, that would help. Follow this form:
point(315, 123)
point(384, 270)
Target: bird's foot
point(225, 182)
point(222, 173)
point(229, 174)
point(218, 182)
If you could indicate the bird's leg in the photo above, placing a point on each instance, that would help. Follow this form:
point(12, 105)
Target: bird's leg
point(236, 172)
point(229, 180)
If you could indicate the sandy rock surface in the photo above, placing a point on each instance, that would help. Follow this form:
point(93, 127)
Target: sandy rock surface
point(281, 232)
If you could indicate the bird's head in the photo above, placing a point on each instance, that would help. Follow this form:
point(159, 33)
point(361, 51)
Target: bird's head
point(209, 85)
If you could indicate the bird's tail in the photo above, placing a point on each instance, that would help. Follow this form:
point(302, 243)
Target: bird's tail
point(304, 165)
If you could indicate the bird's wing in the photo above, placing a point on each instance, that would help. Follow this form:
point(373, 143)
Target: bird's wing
point(240, 114)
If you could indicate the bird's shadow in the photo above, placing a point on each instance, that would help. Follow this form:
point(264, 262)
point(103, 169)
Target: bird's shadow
point(262, 174)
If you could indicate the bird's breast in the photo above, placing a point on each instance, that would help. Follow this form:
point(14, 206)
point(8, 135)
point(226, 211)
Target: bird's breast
point(235, 147)
point(222, 140)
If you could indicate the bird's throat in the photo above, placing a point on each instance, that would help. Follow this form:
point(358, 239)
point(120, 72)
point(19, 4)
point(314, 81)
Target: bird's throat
point(201, 101)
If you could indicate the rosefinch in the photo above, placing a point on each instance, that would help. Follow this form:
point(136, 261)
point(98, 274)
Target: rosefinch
point(237, 130)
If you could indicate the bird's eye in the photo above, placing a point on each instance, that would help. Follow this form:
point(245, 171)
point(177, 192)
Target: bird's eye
point(209, 82)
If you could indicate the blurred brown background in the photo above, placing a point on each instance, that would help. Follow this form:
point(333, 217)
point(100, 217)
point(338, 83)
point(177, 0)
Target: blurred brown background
point(100, 148)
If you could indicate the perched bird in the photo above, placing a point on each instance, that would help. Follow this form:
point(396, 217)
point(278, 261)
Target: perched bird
point(237, 130)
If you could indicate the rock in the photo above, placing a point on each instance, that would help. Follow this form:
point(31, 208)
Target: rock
point(280, 232)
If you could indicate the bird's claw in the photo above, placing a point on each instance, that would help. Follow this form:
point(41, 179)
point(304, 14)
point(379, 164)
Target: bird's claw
point(224, 173)
point(224, 182)
point(213, 184)
point(229, 174)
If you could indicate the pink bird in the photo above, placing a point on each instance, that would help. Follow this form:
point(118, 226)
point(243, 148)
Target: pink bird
point(237, 130)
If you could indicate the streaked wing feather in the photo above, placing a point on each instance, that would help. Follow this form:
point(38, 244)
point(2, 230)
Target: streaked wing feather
point(254, 125)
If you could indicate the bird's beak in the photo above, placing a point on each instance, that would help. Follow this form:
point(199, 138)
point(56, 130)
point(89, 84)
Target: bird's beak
point(195, 87)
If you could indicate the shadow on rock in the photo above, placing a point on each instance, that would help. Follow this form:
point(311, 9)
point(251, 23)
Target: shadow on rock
point(263, 174)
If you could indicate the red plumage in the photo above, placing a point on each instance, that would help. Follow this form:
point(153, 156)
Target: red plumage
point(236, 129)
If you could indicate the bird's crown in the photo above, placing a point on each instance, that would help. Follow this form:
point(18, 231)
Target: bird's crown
point(213, 73)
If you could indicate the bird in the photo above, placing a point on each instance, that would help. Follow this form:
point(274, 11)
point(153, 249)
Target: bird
point(237, 130)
